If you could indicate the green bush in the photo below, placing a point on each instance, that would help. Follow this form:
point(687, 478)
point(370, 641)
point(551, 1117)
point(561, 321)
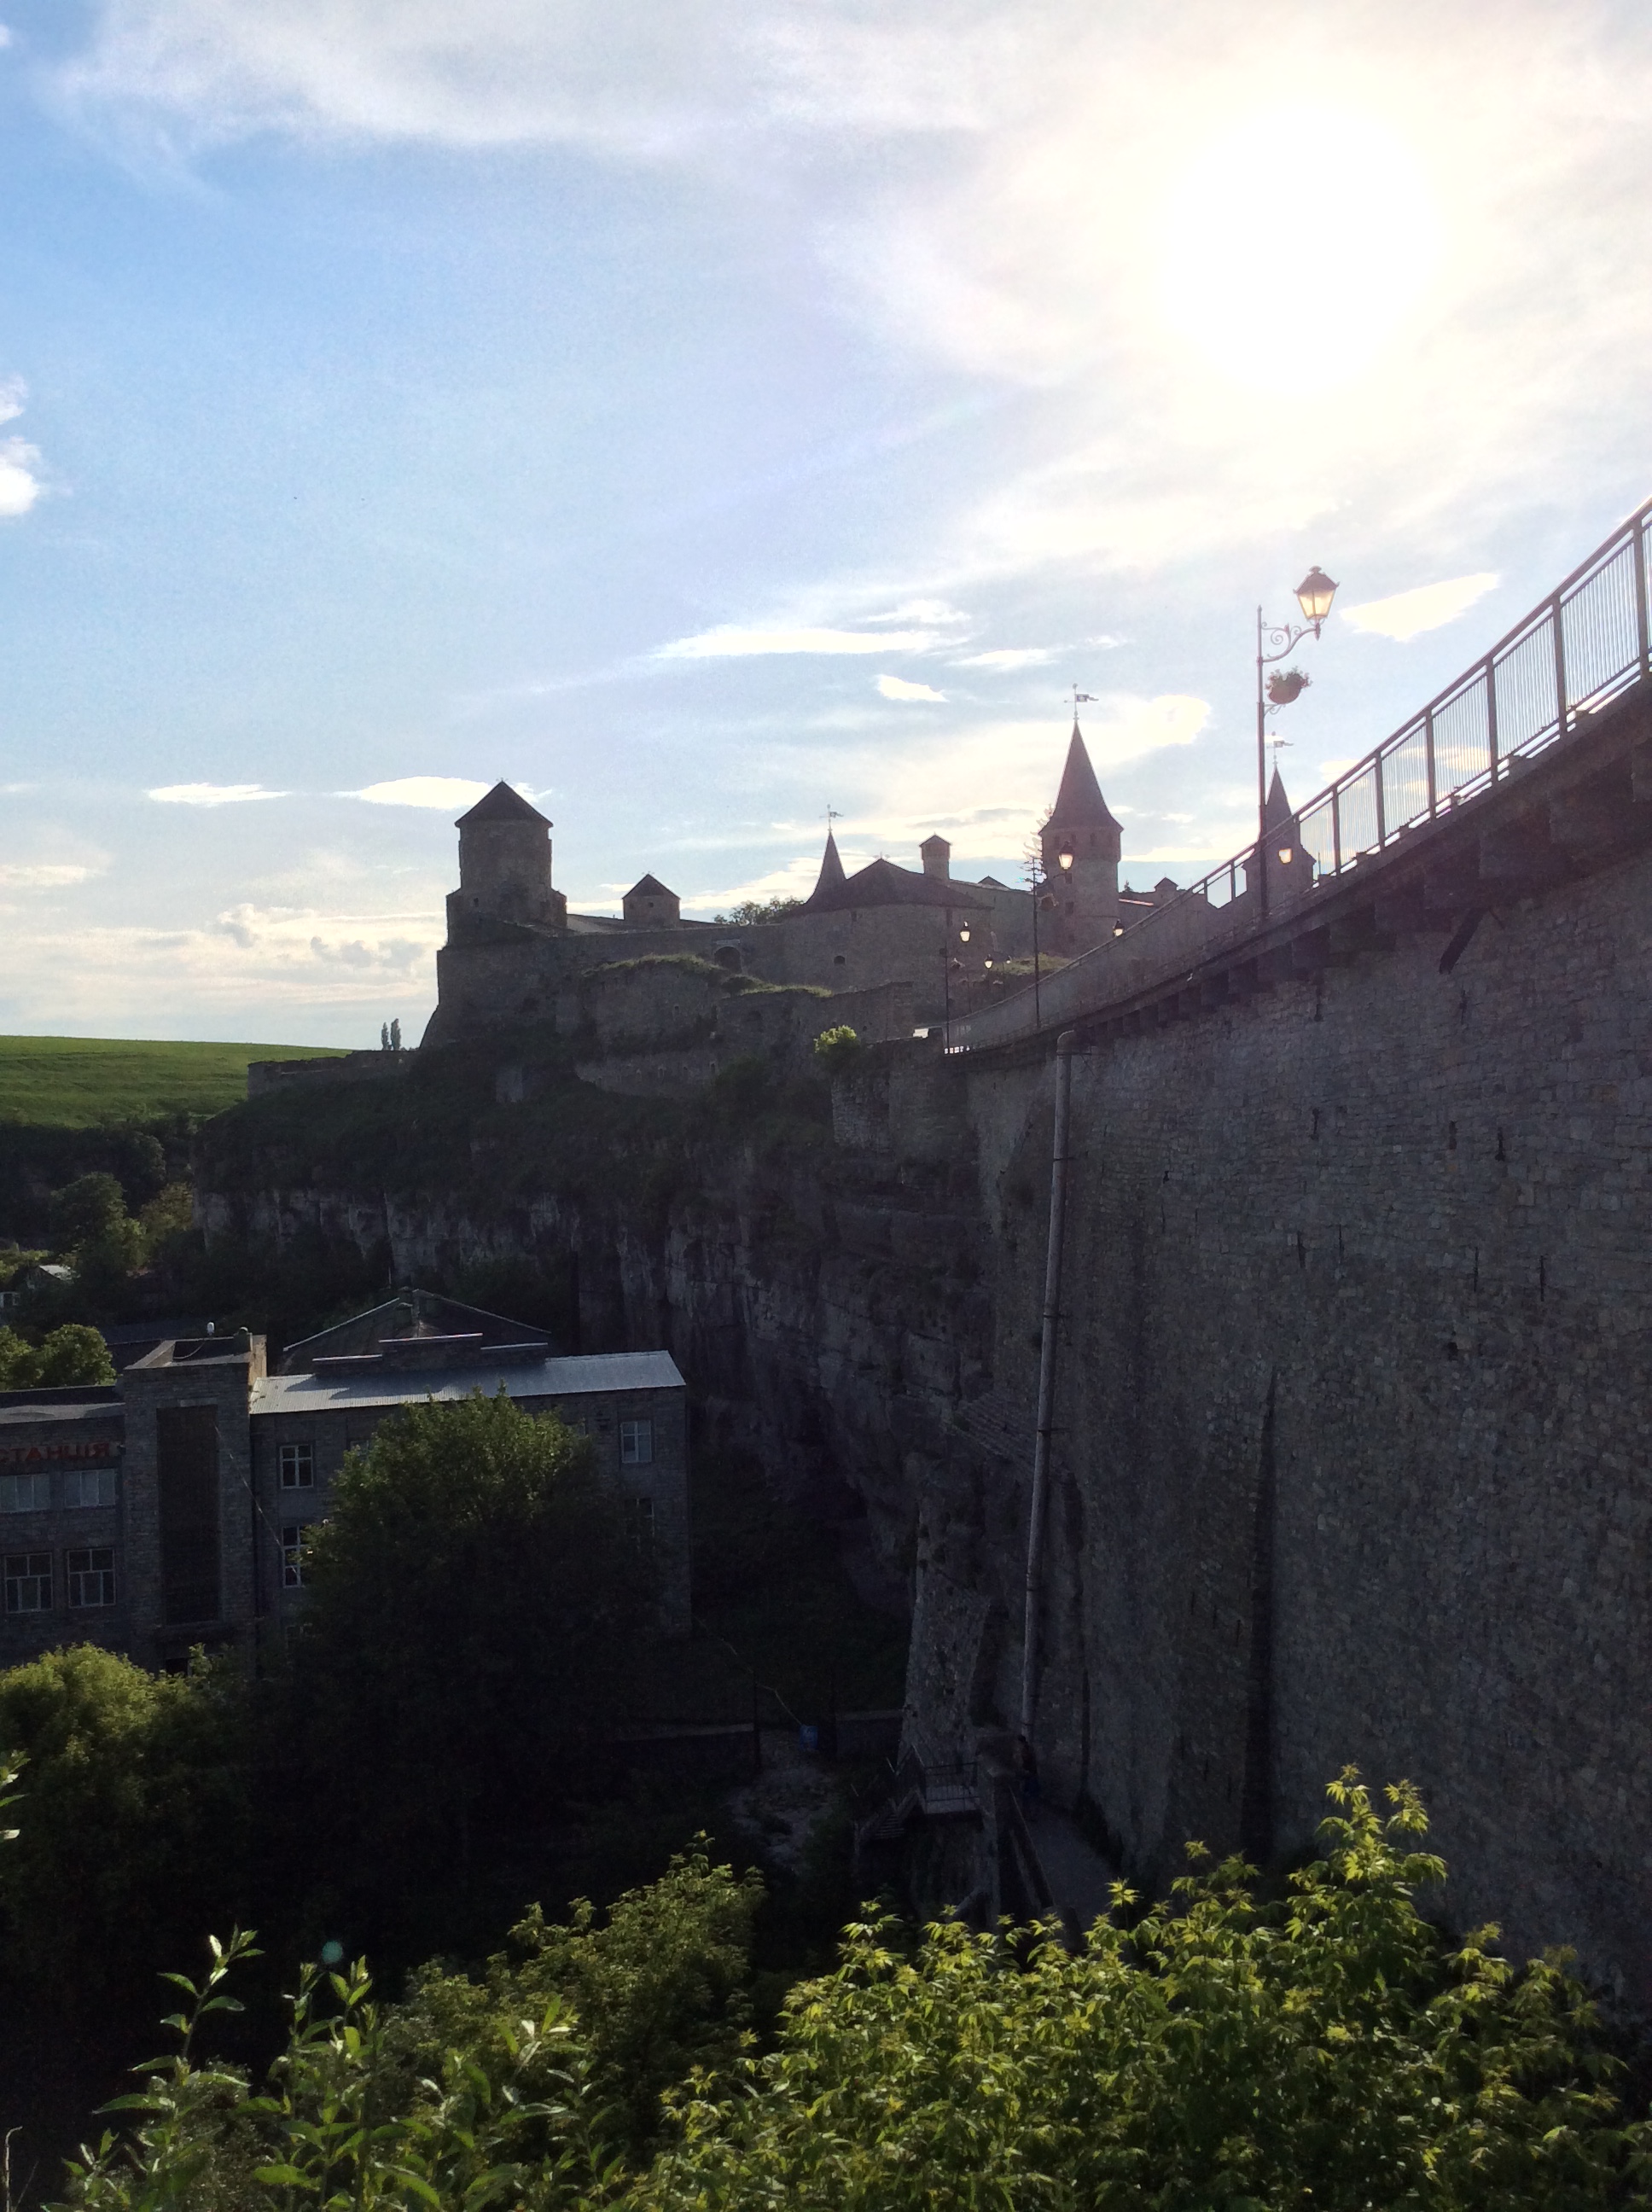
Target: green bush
point(837, 1050)
point(1330, 2049)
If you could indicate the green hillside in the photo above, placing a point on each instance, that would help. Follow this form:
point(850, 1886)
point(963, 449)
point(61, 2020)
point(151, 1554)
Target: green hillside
point(79, 1083)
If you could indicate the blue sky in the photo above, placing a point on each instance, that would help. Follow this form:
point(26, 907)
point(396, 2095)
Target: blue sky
point(703, 414)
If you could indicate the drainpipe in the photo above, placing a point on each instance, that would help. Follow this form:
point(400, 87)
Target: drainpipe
point(1064, 1045)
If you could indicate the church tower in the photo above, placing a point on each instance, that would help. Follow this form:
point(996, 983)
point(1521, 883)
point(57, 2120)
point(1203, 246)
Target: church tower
point(1081, 831)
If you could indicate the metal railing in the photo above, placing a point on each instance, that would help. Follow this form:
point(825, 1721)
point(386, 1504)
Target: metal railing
point(1587, 641)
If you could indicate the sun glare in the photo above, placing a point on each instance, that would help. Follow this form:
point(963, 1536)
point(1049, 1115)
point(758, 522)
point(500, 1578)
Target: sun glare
point(1294, 246)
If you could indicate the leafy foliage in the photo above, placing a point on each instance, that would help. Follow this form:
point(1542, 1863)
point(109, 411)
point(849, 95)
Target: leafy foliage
point(134, 1829)
point(838, 1049)
point(744, 912)
point(477, 1606)
point(72, 1353)
point(1330, 2049)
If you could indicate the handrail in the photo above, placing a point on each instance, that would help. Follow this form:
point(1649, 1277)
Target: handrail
point(1583, 643)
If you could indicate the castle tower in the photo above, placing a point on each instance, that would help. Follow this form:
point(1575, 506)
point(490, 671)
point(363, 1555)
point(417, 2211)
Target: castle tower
point(1086, 894)
point(937, 856)
point(649, 904)
point(504, 863)
point(1289, 867)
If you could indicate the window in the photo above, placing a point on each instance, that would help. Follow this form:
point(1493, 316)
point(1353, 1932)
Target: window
point(25, 1494)
point(636, 1444)
point(28, 1581)
point(297, 1466)
point(292, 1554)
point(640, 1521)
point(91, 1576)
point(88, 1486)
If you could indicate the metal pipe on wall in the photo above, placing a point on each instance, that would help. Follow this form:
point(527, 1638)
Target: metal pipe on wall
point(1049, 1331)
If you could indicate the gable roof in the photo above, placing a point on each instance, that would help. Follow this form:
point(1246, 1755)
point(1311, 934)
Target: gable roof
point(649, 887)
point(880, 883)
point(411, 1314)
point(501, 804)
point(1078, 803)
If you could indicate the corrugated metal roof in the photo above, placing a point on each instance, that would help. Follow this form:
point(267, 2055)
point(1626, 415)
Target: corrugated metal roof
point(584, 1376)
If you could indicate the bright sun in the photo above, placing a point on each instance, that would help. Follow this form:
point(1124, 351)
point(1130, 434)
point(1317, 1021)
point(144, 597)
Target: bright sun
point(1294, 246)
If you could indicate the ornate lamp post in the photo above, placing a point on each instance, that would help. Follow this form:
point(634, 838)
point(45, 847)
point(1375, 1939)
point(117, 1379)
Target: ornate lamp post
point(1313, 596)
point(1038, 882)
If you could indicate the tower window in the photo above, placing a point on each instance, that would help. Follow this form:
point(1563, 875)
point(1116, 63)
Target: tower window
point(25, 1494)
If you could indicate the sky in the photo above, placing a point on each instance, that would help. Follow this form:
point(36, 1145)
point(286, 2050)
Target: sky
point(705, 415)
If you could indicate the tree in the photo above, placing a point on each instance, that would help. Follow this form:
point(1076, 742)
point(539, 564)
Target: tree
point(89, 1211)
point(749, 911)
point(134, 1827)
point(1327, 2050)
point(73, 1353)
point(477, 1606)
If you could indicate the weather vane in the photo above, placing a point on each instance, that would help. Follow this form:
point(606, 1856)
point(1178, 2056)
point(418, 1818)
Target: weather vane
point(1081, 699)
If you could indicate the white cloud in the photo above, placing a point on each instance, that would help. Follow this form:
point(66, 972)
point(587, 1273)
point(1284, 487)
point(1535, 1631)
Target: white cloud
point(896, 686)
point(44, 876)
point(211, 794)
point(21, 482)
point(730, 642)
point(1009, 657)
point(433, 790)
point(1430, 606)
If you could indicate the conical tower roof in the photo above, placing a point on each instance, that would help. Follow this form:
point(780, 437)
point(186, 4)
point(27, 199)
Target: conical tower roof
point(1278, 813)
point(1078, 803)
point(831, 876)
point(501, 804)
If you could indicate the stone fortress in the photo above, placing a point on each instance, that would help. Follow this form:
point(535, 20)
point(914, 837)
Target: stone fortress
point(923, 938)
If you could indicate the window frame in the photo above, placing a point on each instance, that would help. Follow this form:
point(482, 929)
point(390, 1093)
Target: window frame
point(636, 1442)
point(292, 1536)
point(35, 1477)
point(102, 1475)
point(34, 1567)
point(296, 1467)
point(99, 1568)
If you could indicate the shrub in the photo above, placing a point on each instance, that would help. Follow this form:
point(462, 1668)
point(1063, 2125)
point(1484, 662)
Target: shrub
point(837, 1050)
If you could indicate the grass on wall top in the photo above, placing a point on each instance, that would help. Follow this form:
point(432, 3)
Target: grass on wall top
point(78, 1083)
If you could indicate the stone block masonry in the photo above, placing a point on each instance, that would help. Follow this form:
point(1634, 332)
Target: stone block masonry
point(1355, 1416)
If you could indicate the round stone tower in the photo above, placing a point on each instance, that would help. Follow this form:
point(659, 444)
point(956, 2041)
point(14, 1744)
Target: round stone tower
point(1081, 833)
point(504, 863)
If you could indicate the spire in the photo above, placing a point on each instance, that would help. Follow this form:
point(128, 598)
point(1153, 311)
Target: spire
point(1078, 803)
point(831, 868)
point(1278, 814)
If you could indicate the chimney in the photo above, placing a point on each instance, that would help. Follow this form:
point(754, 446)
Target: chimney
point(937, 857)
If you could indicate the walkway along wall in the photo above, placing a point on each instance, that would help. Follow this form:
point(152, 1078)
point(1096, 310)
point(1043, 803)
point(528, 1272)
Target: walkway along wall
point(1353, 1437)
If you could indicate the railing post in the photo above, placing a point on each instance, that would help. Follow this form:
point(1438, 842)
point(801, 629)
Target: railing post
point(1491, 713)
point(1556, 615)
point(1427, 755)
point(1336, 828)
point(1641, 636)
point(1381, 803)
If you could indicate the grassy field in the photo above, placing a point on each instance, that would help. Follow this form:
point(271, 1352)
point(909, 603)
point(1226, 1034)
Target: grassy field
point(78, 1083)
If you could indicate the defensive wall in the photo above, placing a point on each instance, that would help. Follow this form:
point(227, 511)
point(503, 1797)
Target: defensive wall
point(1353, 1449)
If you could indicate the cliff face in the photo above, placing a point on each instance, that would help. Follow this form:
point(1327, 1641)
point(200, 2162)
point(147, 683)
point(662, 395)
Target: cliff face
point(828, 1295)
point(1350, 1460)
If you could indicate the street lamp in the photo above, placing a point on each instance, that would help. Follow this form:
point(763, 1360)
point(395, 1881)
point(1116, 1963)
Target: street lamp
point(1038, 884)
point(1313, 596)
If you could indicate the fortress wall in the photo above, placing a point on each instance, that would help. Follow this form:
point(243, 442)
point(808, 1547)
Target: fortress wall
point(1354, 1416)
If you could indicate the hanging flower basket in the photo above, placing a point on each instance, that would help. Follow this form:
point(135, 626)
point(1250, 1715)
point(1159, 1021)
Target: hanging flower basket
point(1286, 685)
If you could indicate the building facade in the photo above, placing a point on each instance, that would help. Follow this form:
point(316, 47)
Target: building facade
point(170, 1509)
